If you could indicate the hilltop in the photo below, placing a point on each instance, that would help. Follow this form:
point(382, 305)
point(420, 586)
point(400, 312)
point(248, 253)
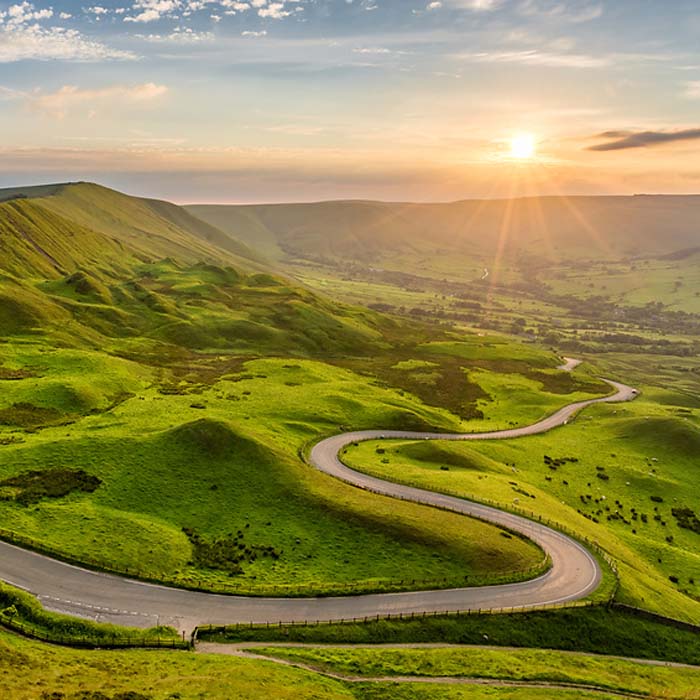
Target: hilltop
point(54, 229)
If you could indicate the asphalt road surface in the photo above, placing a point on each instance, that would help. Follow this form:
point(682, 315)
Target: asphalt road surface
point(574, 573)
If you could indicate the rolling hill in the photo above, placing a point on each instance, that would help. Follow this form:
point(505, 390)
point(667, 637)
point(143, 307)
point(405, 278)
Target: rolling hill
point(554, 228)
point(110, 265)
point(144, 228)
point(184, 380)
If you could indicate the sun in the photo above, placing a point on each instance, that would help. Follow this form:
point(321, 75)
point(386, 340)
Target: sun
point(522, 146)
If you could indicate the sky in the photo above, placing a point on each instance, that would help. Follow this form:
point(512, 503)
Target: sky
point(304, 100)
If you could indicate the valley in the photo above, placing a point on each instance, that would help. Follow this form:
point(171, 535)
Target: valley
point(164, 383)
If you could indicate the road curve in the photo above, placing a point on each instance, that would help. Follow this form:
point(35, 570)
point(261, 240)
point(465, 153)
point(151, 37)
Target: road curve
point(76, 591)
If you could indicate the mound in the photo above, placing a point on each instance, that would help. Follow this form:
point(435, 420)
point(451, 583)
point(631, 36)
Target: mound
point(216, 438)
point(658, 435)
point(22, 310)
point(432, 452)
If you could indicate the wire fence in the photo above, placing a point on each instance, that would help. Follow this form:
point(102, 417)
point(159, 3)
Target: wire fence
point(84, 641)
point(469, 612)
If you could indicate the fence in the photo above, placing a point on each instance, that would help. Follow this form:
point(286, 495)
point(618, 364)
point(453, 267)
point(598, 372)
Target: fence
point(280, 590)
point(645, 614)
point(655, 617)
point(86, 642)
point(395, 616)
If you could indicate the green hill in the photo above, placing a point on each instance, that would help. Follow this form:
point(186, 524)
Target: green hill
point(187, 378)
point(551, 227)
point(124, 267)
point(150, 229)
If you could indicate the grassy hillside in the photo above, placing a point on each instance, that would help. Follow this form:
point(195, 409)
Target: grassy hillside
point(542, 267)
point(151, 229)
point(623, 475)
point(584, 227)
point(31, 671)
point(525, 665)
point(35, 242)
point(168, 400)
point(150, 400)
point(214, 452)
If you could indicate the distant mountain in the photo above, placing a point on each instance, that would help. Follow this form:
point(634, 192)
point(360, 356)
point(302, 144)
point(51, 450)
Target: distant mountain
point(554, 228)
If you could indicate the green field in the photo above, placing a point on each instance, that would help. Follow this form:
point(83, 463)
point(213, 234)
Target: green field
point(222, 457)
point(163, 380)
point(633, 469)
point(596, 629)
point(154, 410)
point(530, 665)
point(33, 671)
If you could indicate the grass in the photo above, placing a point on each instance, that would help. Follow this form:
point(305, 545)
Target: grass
point(145, 376)
point(33, 671)
point(641, 452)
point(529, 665)
point(22, 612)
point(165, 467)
point(592, 630)
point(428, 691)
point(190, 385)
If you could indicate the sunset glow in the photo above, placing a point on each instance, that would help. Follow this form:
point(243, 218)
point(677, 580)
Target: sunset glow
point(522, 146)
point(397, 99)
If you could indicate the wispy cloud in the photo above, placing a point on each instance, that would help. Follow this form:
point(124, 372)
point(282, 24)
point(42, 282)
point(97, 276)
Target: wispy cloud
point(692, 90)
point(574, 12)
point(535, 57)
point(622, 140)
point(178, 36)
point(60, 103)
point(475, 5)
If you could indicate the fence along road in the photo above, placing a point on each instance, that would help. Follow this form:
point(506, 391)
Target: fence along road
point(574, 573)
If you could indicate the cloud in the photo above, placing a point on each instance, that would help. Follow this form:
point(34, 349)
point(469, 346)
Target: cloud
point(152, 10)
point(575, 11)
point(372, 50)
point(474, 5)
point(60, 103)
point(179, 35)
point(622, 140)
point(275, 10)
point(32, 42)
point(23, 13)
point(534, 57)
point(692, 90)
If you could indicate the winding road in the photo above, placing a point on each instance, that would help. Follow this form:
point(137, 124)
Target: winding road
point(574, 573)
